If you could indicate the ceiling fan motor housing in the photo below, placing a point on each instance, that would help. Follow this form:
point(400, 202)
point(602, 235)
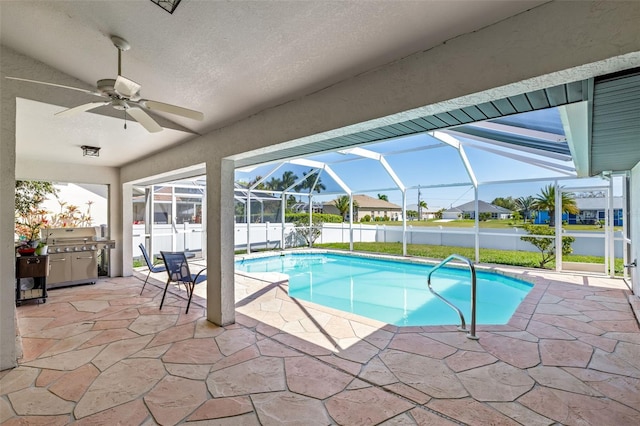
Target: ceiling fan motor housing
point(106, 86)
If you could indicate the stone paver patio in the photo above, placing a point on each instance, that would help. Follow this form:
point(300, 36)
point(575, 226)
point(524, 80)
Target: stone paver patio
point(105, 355)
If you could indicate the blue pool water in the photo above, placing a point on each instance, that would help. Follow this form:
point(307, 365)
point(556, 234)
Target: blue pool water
point(391, 291)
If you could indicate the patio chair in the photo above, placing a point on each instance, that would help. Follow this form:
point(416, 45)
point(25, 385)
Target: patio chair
point(152, 266)
point(178, 270)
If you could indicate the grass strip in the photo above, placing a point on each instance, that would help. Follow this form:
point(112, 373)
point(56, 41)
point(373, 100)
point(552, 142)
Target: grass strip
point(502, 257)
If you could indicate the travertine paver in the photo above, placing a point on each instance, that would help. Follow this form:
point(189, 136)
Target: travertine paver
point(67, 360)
point(571, 408)
point(496, 382)
point(116, 351)
point(18, 379)
point(469, 411)
point(38, 401)
point(123, 382)
point(72, 385)
point(568, 356)
point(253, 376)
point(365, 406)
point(565, 353)
point(557, 378)
point(223, 407)
point(130, 413)
point(286, 408)
point(193, 351)
point(428, 375)
point(520, 354)
point(313, 378)
point(173, 398)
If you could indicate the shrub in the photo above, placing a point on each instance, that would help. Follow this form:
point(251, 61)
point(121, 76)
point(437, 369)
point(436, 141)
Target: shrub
point(366, 218)
point(547, 246)
point(304, 217)
point(306, 233)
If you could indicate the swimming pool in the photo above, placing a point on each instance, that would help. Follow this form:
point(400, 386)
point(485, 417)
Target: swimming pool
point(394, 292)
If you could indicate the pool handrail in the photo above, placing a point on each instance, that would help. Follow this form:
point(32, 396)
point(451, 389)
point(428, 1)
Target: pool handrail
point(463, 327)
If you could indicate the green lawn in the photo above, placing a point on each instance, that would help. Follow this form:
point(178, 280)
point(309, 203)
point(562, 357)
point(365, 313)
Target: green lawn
point(502, 257)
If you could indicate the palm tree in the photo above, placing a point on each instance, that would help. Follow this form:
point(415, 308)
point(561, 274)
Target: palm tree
point(421, 205)
point(546, 200)
point(273, 184)
point(383, 197)
point(525, 205)
point(288, 179)
point(308, 183)
point(342, 204)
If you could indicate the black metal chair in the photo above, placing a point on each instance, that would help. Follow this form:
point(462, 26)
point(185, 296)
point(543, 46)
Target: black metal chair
point(178, 270)
point(152, 267)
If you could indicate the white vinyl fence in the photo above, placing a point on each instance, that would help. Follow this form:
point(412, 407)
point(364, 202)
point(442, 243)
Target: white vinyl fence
point(269, 235)
point(166, 237)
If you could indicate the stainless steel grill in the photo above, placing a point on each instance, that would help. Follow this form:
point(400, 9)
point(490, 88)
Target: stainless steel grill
point(73, 255)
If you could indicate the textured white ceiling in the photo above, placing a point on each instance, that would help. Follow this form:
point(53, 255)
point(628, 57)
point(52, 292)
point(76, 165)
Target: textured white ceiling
point(228, 59)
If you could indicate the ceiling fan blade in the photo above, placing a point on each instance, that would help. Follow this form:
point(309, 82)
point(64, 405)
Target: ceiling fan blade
point(81, 108)
point(144, 119)
point(90, 92)
point(172, 109)
point(125, 87)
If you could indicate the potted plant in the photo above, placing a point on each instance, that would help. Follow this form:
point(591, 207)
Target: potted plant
point(27, 227)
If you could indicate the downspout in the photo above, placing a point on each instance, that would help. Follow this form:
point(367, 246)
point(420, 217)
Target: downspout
point(558, 227)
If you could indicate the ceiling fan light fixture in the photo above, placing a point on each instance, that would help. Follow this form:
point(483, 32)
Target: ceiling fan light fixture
point(90, 151)
point(168, 5)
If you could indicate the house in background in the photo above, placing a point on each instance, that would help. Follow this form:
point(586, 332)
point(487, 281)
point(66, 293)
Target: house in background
point(428, 213)
point(592, 211)
point(364, 205)
point(469, 210)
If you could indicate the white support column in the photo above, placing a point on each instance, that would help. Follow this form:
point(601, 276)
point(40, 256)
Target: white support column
point(404, 222)
point(282, 222)
point(204, 223)
point(174, 220)
point(220, 244)
point(248, 213)
point(558, 227)
point(477, 222)
point(611, 231)
point(625, 226)
point(351, 222)
point(310, 219)
point(148, 220)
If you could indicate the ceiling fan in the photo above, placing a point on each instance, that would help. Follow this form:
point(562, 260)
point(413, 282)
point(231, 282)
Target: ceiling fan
point(124, 95)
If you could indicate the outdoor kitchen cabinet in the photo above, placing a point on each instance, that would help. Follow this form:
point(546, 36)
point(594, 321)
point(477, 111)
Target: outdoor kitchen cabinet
point(72, 268)
point(59, 267)
point(31, 278)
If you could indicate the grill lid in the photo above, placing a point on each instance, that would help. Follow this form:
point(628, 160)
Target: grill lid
point(56, 236)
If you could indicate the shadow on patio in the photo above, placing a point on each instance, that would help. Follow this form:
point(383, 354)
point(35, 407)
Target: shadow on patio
point(104, 354)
